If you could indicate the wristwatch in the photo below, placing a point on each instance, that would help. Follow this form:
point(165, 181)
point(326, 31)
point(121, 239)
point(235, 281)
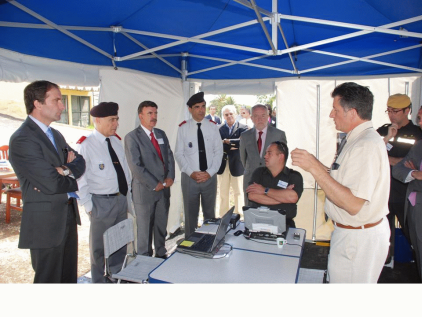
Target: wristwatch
point(266, 191)
point(66, 171)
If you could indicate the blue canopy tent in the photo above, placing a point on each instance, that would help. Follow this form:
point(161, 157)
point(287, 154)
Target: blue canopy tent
point(221, 39)
point(237, 46)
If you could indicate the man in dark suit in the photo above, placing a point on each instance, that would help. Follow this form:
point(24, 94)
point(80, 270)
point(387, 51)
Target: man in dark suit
point(212, 115)
point(409, 171)
point(152, 164)
point(255, 141)
point(47, 169)
point(231, 169)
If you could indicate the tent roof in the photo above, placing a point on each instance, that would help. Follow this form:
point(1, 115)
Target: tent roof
point(221, 39)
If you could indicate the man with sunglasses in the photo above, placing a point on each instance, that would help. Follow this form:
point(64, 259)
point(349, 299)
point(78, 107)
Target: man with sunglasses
point(399, 136)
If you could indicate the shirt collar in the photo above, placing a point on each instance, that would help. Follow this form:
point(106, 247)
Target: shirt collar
point(42, 126)
point(99, 136)
point(263, 130)
point(357, 130)
point(148, 132)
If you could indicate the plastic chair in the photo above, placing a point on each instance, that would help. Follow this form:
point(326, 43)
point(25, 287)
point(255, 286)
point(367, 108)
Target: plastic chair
point(136, 270)
point(4, 152)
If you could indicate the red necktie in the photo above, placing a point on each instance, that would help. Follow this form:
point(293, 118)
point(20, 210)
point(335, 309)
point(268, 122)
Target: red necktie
point(157, 147)
point(259, 142)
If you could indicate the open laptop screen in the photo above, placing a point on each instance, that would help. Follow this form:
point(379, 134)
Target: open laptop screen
point(265, 219)
point(224, 224)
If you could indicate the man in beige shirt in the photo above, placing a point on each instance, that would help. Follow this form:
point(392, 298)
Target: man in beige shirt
point(356, 189)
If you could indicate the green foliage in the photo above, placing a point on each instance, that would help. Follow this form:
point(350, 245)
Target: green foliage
point(266, 99)
point(222, 100)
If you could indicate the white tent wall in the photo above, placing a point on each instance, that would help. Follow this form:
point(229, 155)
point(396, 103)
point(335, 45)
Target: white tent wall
point(297, 113)
point(16, 67)
point(129, 89)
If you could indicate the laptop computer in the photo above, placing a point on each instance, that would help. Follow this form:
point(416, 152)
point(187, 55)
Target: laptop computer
point(265, 223)
point(206, 245)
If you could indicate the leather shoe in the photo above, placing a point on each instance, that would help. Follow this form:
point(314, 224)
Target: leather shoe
point(165, 256)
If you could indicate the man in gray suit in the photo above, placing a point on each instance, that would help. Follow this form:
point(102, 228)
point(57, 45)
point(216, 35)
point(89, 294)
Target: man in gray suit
point(47, 169)
point(409, 170)
point(151, 161)
point(255, 141)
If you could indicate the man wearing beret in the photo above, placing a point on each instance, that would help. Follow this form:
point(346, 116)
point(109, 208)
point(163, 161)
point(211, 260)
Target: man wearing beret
point(399, 137)
point(199, 151)
point(47, 169)
point(104, 185)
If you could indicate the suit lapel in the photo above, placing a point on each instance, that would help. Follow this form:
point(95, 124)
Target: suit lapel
point(43, 137)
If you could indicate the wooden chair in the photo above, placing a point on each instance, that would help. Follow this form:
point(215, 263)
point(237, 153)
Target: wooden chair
point(4, 152)
point(12, 181)
point(13, 193)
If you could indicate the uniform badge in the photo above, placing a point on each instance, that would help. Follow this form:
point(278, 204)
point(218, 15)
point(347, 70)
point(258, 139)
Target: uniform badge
point(190, 144)
point(101, 166)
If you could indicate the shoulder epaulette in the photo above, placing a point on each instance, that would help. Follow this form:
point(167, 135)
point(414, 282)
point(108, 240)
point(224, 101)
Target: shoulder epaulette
point(81, 140)
point(182, 123)
point(213, 121)
point(117, 136)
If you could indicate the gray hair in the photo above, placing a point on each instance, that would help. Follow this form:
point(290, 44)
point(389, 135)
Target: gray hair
point(232, 108)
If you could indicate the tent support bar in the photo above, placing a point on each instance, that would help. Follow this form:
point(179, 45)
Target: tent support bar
point(243, 62)
point(342, 37)
point(247, 4)
point(317, 157)
point(364, 59)
point(264, 28)
point(358, 26)
point(287, 46)
point(155, 54)
point(195, 39)
point(59, 28)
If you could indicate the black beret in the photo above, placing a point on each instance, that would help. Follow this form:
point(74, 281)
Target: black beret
point(196, 98)
point(105, 109)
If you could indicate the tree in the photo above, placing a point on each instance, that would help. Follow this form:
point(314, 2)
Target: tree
point(221, 100)
point(266, 99)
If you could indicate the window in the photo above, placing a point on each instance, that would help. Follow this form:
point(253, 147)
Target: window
point(65, 114)
point(80, 111)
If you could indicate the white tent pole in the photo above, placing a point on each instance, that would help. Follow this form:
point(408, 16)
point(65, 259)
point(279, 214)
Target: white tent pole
point(317, 157)
point(274, 23)
point(287, 46)
point(153, 53)
point(59, 28)
point(264, 28)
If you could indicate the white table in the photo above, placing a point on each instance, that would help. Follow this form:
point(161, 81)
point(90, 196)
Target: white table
point(248, 262)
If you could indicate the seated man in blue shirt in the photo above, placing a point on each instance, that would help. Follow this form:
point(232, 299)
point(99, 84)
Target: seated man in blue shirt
point(276, 186)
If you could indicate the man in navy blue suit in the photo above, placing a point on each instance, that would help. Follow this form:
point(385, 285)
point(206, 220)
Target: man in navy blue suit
point(231, 169)
point(212, 115)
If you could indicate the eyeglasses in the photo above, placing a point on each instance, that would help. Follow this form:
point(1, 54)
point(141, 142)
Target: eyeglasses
point(394, 111)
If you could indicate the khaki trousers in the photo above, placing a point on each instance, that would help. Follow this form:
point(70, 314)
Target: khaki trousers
point(226, 180)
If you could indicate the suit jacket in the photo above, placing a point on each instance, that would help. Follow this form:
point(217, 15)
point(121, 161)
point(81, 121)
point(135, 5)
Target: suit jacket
point(400, 172)
point(249, 150)
point(146, 166)
point(235, 164)
point(34, 160)
point(217, 118)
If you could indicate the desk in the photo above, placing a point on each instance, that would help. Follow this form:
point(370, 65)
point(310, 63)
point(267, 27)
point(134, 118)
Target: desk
point(248, 262)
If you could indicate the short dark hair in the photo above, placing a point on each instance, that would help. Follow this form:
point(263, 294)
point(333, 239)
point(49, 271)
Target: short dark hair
point(354, 96)
point(282, 148)
point(146, 103)
point(36, 90)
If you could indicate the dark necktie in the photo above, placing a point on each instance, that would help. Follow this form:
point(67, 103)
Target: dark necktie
point(121, 178)
point(259, 142)
point(157, 146)
point(203, 166)
point(340, 148)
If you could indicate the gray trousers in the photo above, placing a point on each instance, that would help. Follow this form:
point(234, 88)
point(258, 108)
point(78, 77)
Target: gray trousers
point(106, 212)
point(151, 220)
point(414, 221)
point(198, 193)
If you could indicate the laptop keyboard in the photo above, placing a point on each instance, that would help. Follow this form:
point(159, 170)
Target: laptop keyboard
point(204, 244)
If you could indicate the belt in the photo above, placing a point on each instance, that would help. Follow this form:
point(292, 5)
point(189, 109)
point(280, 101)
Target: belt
point(368, 225)
point(69, 201)
point(107, 195)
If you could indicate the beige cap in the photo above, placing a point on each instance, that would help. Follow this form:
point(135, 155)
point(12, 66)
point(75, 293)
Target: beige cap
point(398, 101)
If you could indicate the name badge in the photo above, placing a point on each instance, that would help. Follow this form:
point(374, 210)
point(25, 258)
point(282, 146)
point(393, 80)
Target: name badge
point(282, 184)
point(389, 146)
point(160, 141)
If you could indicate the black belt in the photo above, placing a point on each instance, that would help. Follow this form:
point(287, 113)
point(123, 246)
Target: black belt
point(107, 195)
point(69, 201)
